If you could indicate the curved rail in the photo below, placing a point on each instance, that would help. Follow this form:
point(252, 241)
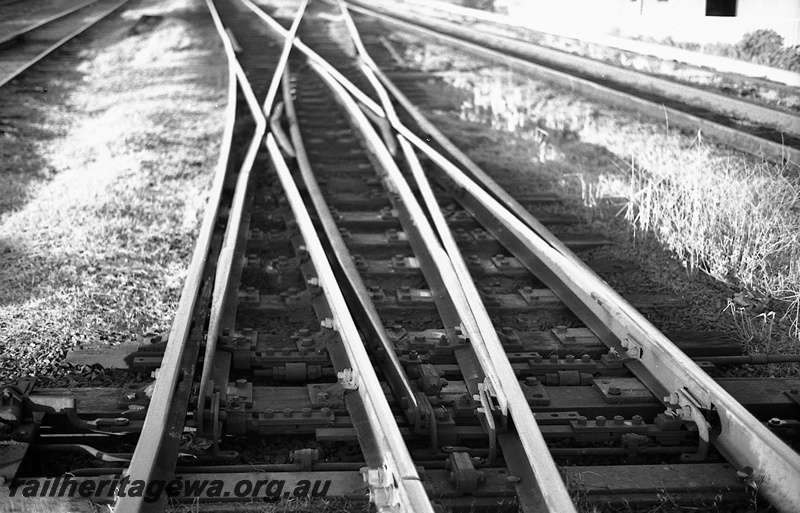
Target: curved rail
point(687, 389)
point(740, 436)
point(395, 483)
point(157, 425)
point(488, 346)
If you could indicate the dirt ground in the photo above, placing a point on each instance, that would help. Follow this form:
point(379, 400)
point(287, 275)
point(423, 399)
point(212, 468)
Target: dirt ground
point(106, 153)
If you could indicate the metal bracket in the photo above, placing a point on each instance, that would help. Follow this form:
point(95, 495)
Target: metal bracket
point(382, 488)
point(690, 409)
point(348, 378)
point(463, 473)
point(305, 458)
point(634, 349)
point(486, 416)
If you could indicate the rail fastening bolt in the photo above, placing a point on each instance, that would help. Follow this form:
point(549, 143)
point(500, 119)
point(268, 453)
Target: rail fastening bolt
point(744, 473)
point(600, 420)
point(619, 420)
point(637, 420)
point(287, 412)
point(581, 420)
point(614, 390)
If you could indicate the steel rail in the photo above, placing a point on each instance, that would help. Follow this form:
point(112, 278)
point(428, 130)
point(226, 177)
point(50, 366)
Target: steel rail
point(396, 183)
point(553, 494)
point(156, 425)
point(393, 368)
point(40, 23)
point(752, 144)
point(316, 58)
point(41, 55)
point(396, 485)
point(739, 435)
point(746, 455)
point(225, 264)
point(397, 480)
point(502, 380)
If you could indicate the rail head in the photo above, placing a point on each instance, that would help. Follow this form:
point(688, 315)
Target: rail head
point(395, 486)
point(742, 438)
point(156, 426)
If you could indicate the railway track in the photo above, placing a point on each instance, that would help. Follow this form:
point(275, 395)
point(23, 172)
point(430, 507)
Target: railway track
point(23, 46)
point(362, 319)
point(766, 132)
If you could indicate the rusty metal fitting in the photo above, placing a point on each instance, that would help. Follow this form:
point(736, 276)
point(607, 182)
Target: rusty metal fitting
point(531, 381)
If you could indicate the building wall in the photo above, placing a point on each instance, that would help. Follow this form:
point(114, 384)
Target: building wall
point(682, 20)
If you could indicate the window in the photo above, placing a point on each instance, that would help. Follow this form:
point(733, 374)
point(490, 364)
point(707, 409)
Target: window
point(720, 7)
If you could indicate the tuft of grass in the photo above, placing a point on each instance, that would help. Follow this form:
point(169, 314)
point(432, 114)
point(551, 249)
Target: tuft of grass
point(736, 220)
point(722, 213)
point(291, 505)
